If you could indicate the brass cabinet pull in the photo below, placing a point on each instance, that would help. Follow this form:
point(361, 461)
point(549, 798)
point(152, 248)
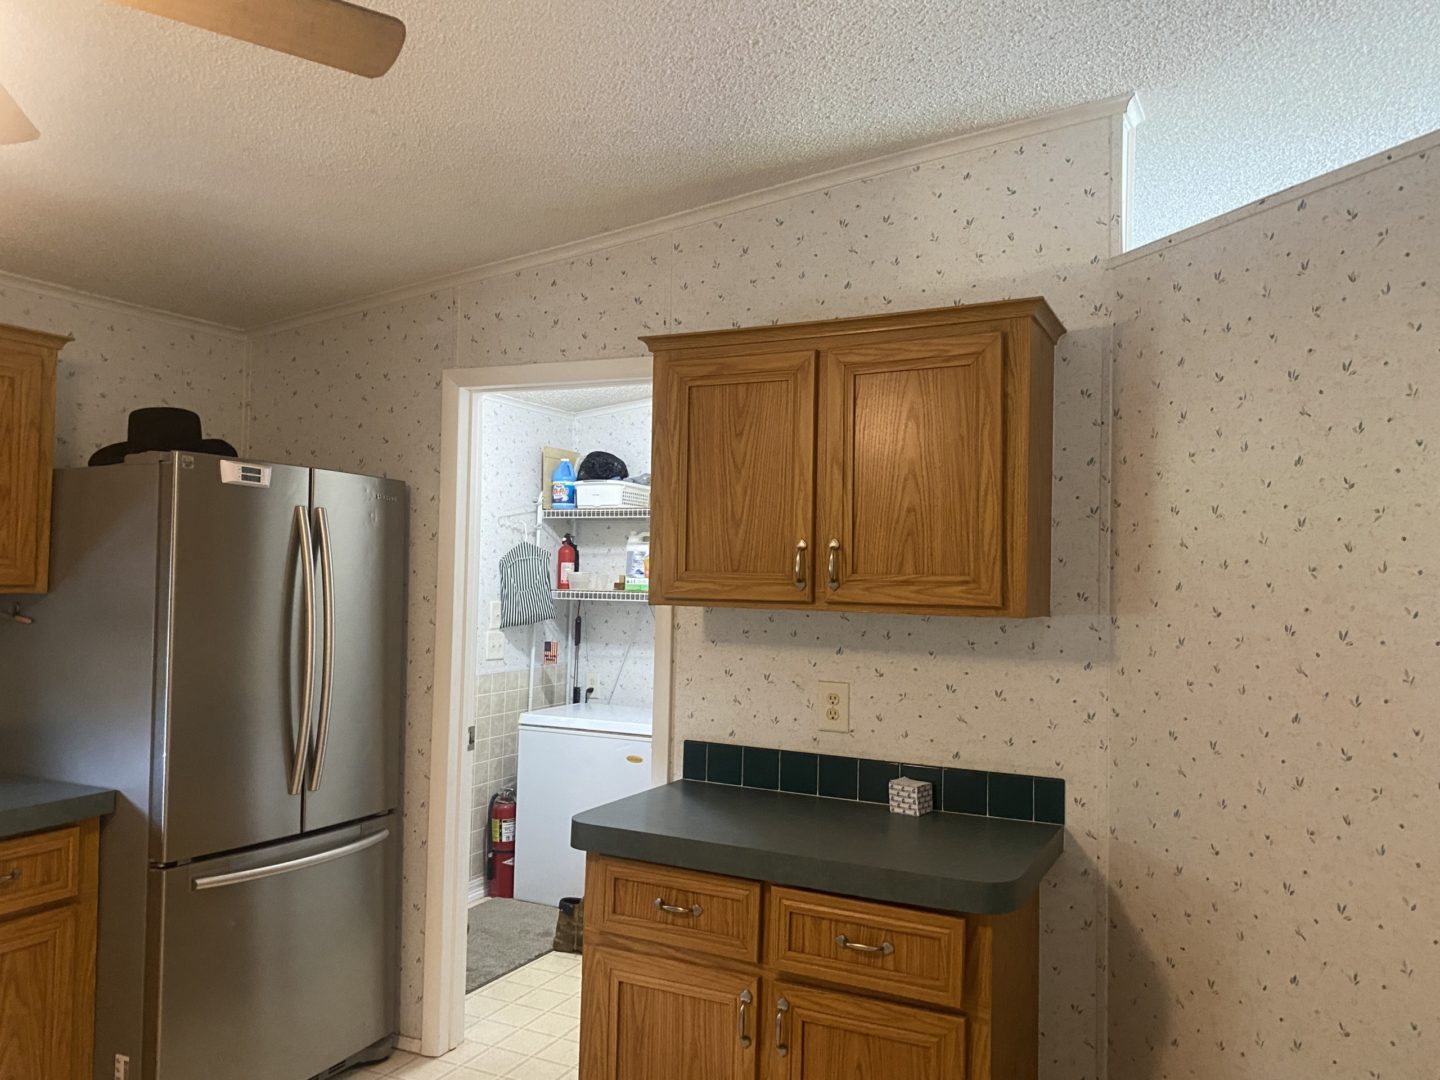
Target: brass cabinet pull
point(781, 1008)
point(800, 550)
point(13, 875)
point(745, 1000)
point(694, 910)
point(884, 948)
point(832, 565)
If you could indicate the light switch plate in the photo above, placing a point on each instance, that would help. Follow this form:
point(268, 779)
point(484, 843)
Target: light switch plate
point(494, 614)
point(832, 706)
point(495, 645)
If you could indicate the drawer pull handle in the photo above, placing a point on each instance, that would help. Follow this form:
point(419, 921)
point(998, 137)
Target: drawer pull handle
point(781, 1008)
point(13, 875)
point(800, 549)
point(745, 1000)
point(884, 948)
point(832, 565)
point(694, 910)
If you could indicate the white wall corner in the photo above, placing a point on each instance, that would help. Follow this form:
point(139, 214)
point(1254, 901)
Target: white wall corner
point(1122, 154)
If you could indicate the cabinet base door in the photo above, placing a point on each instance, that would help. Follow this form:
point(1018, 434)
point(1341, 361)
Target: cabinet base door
point(37, 1020)
point(820, 1035)
point(648, 1019)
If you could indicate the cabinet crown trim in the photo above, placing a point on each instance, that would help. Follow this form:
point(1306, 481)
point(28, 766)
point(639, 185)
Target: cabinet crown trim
point(1031, 307)
point(26, 336)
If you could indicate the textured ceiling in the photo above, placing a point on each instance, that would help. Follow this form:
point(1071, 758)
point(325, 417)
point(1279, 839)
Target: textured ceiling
point(191, 173)
point(578, 399)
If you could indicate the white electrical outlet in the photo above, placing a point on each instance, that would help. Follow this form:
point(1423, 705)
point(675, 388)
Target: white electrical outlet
point(122, 1067)
point(494, 614)
point(495, 645)
point(833, 706)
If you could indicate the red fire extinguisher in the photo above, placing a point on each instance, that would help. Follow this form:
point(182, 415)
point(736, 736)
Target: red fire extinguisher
point(500, 859)
point(568, 560)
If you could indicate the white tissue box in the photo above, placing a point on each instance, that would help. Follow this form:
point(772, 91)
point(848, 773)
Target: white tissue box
point(911, 797)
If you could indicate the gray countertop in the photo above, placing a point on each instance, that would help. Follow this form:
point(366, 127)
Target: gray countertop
point(29, 804)
point(950, 862)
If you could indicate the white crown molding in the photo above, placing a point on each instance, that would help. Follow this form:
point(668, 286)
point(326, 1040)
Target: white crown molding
point(1305, 188)
point(120, 307)
point(1123, 105)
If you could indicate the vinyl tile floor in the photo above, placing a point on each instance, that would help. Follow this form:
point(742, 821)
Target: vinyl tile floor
point(523, 1026)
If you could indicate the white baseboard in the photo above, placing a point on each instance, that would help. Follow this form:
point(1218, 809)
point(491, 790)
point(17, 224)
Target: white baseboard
point(477, 892)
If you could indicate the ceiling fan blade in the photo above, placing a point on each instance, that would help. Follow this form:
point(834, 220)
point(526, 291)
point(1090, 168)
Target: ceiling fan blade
point(15, 126)
point(330, 32)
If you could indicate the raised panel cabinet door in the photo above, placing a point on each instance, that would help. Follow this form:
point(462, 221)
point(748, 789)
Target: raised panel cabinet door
point(822, 1035)
point(37, 1017)
point(912, 473)
point(27, 425)
point(734, 479)
point(644, 1018)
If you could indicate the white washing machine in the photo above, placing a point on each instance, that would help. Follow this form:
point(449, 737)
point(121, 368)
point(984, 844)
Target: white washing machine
point(572, 758)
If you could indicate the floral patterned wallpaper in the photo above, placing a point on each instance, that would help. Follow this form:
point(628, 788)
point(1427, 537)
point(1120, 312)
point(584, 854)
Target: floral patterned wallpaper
point(1018, 219)
point(123, 359)
point(1275, 864)
point(361, 393)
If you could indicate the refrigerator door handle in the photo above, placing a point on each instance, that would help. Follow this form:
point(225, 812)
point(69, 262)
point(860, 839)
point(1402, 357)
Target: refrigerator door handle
point(256, 873)
point(307, 666)
point(327, 656)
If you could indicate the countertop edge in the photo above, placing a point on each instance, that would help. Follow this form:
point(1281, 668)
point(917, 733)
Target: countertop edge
point(914, 888)
point(55, 813)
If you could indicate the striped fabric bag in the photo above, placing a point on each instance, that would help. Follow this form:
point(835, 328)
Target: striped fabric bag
point(525, 586)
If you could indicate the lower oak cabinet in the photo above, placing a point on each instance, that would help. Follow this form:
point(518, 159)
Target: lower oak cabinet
point(696, 976)
point(48, 884)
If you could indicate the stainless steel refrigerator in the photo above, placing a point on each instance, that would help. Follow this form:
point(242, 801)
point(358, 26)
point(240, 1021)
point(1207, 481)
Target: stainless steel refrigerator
point(223, 644)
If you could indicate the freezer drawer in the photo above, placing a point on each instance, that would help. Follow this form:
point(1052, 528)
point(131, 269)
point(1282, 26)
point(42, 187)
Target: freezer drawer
point(278, 963)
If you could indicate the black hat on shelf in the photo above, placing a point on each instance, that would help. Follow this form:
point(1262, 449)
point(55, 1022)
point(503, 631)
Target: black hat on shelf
point(161, 428)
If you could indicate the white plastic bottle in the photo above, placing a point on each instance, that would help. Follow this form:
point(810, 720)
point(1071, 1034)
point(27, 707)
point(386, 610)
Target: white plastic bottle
point(637, 563)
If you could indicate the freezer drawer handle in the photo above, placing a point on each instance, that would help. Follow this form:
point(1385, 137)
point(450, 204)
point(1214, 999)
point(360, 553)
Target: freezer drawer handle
point(307, 666)
point(327, 655)
point(219, 881)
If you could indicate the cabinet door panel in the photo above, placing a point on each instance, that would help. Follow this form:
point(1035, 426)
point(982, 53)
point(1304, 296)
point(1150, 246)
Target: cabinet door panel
point(912, 473)
point(644, 1018)
point(734, 479)
point(830, 1036)
point(27, 411)
point(37, 1021)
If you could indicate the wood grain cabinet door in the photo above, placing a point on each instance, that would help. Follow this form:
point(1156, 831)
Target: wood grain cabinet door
point(27, 426)
point(37, 993)
point(644, 1018)
point(912, 473)
point(822, 1035)
point(734, 479)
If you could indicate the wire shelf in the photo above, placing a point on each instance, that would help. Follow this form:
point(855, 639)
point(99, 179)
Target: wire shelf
point(613, 596)
point(588, 513)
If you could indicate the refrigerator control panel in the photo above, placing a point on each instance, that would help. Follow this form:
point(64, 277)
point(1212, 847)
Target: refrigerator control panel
point(242, 472)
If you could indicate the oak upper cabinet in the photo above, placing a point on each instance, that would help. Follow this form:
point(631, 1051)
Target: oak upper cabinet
point(27, 437)
point(821, 1035)
point(646, 1018)
point(888, 463)
point(736, 434)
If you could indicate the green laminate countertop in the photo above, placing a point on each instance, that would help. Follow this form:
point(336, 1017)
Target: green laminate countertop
point(949, 862)
point(29, 804)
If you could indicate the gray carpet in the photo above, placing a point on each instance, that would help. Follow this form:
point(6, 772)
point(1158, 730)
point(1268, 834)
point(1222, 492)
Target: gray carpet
point(505, 935)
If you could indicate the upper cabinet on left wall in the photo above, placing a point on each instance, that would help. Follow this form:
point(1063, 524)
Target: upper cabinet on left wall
point(896, 462)
point(27, 447)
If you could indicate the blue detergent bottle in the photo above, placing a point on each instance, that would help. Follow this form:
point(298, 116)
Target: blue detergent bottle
point(562, 486)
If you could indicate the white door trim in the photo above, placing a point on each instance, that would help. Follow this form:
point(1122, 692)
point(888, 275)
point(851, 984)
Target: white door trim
point(442, 1005)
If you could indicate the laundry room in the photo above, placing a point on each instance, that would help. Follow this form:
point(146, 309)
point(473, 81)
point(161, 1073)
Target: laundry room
point(563, 669)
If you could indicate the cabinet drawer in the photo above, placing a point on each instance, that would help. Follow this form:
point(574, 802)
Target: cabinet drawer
point(39, 869)
point(703, 913)
point(907, 953)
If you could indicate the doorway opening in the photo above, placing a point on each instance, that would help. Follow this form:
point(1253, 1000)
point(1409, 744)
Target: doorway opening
point(551, 698)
